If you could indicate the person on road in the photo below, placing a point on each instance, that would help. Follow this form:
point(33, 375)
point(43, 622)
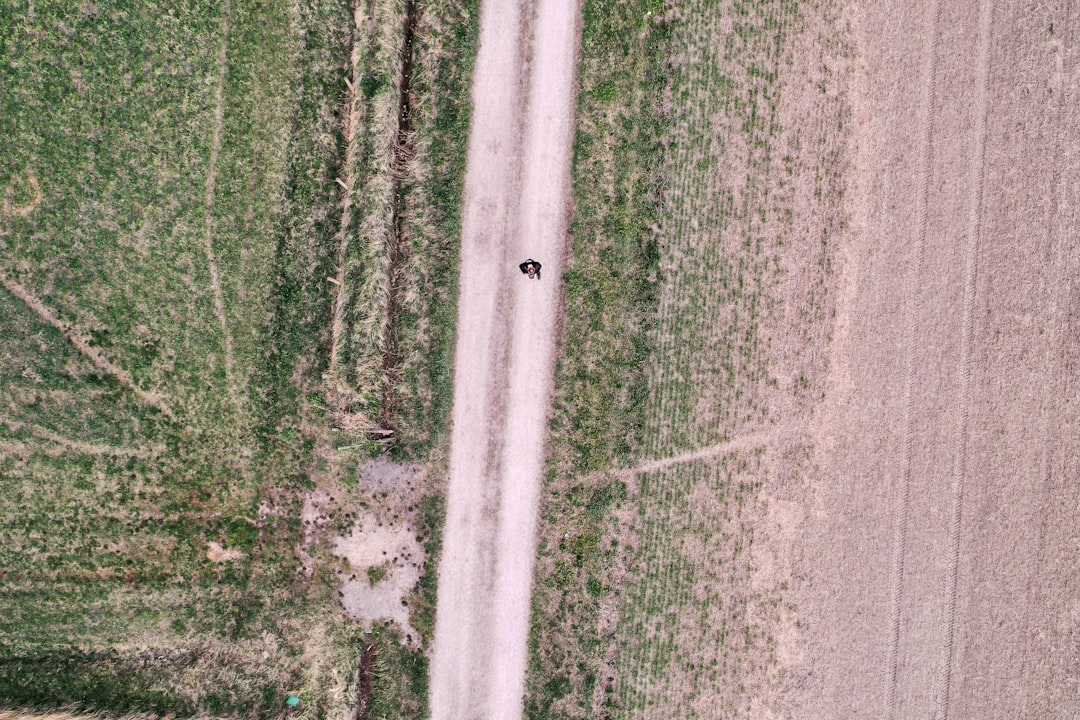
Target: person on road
point(531, 268)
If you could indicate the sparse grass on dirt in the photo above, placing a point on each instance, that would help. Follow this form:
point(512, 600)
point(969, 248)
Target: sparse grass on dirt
point(150, 559)
point(700, 267)
point(693, 633)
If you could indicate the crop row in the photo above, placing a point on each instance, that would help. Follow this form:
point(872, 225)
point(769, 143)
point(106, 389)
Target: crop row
point(687, 630)
point(721, 224)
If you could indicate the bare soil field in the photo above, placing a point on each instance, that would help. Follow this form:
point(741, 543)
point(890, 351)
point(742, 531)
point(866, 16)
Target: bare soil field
point(934, 573)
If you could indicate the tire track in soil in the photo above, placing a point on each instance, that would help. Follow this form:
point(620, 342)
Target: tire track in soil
point(747, 441)
point(959, 471)
point(43, 433)
point(903, 487)
point(152, 399)
point(211, 182)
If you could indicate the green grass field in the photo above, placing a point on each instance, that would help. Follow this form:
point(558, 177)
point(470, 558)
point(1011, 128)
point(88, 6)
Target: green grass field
point(171, 214)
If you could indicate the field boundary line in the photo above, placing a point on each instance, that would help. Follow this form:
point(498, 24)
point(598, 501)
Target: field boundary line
point(741, 442)
point(155, 400)
point(347, 180)
point(211, 182)
point(901, 506)
point(43, 433)
point(959, 470)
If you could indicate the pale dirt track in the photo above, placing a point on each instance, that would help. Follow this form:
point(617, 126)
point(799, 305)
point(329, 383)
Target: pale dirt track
point(517, 201)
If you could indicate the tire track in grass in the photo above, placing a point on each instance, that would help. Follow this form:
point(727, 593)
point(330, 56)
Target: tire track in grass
point(747, 441)
point(211, 182)
point(78, 446)
point(959, 471)
point(155, 400)
point(903, 484)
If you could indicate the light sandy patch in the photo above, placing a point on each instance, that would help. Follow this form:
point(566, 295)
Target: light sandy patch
point(392, 551)
point(216, 553)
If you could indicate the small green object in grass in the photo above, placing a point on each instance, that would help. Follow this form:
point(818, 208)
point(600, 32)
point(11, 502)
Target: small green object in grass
point(293, 701)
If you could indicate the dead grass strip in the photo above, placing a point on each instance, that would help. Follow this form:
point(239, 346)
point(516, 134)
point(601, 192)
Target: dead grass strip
point(354, 117)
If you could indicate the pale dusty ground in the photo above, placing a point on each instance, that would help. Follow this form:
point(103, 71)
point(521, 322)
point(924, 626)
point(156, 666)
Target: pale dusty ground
point(516, 206)
point(392, 547)
point(934, 551)
point(371, 525)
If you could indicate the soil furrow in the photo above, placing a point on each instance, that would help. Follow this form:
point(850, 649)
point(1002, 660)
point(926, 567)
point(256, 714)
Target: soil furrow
point(971, 254)
point(903, 486)
point(404, 150)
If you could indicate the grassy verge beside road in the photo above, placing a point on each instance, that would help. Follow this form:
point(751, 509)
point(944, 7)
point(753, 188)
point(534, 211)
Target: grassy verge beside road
point(612, 297)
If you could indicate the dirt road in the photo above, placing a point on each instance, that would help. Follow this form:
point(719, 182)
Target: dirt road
point(517, 191)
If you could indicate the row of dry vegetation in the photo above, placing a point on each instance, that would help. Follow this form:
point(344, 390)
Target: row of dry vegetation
point(191, 190)
point(708, 202)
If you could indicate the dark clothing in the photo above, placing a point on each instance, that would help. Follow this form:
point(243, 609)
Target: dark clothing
point(525, 267)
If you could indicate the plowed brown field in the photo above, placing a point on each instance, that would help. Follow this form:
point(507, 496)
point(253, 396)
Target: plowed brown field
point(934, 575)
